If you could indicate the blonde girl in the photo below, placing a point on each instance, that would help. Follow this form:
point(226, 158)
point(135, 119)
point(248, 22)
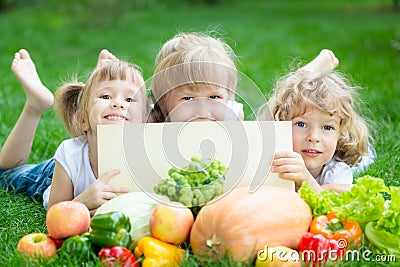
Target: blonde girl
point(329, 135)
point(195, 80)
point(113, 94)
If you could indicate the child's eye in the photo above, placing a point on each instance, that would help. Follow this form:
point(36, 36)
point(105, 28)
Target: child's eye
point(105, 96)
point(300, 124)
point(130, 99)
point(328, 128)
point(214, 97)
point(187, 98)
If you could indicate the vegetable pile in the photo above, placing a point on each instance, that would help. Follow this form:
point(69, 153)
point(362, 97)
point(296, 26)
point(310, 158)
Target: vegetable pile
point(370, 203)
point(134, 229)
point(138, 206)
point(108, 240)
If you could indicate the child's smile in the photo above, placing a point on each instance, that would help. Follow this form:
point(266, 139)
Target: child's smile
point(311, 152)
point(115, 117)
point(114, 102)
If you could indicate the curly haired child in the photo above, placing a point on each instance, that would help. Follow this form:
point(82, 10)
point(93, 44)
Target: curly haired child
point(329, 136)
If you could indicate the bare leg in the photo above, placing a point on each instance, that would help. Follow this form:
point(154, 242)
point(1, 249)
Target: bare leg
point(105, 56)
point(323, 63)
point(17, 147)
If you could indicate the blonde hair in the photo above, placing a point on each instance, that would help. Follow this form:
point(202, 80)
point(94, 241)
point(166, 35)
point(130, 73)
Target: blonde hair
point(72, 98)
point(187, 59)
point(328, 92)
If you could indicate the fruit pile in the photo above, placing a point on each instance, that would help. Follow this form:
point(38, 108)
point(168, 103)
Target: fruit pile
point(194, 185)
point(106, 236)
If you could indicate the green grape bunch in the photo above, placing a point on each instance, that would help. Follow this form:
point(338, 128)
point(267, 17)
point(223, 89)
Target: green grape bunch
point(194, 185)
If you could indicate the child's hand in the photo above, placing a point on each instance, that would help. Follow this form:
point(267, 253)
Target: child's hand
point(101, 191)
point(290, 165)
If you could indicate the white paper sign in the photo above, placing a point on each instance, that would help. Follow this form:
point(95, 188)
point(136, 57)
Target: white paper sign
point(145, 152)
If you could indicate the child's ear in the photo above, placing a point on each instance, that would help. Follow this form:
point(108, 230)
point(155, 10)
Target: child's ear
point(83, 122)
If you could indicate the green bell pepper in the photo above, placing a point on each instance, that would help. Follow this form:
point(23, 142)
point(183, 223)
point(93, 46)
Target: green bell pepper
point(110, 229)
point(78, 245)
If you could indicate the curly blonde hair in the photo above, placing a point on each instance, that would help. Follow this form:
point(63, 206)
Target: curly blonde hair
point(189, 59)
point(329, 92)
point(72, 98)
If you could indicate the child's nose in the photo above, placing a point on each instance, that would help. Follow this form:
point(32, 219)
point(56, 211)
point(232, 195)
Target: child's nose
point(202, 108)
point(313, 136)
point(117, 103)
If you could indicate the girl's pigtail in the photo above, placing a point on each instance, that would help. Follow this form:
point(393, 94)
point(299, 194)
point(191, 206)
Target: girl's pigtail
point(66, 106)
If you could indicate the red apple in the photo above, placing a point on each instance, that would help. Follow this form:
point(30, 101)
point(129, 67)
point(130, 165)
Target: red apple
point(37, 245)
point(171, 223)
point(67, 218)
point(58, 242)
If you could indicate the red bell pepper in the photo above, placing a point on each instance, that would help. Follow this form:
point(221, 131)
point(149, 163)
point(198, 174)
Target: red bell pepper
point(316, 249)
point(117, 255)
point(348, 234)
point(329, 239)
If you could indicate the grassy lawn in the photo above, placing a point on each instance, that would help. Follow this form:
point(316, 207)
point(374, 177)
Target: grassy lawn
point(64, 39)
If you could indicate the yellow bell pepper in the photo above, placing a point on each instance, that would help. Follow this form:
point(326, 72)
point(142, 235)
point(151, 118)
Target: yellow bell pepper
point(158, 253)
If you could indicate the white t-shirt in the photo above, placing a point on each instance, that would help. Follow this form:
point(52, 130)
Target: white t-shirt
point(73, 156)
point(235, 108)
point(335, 172)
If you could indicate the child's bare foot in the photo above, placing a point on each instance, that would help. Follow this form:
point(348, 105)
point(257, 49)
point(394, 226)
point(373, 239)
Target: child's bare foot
point(38, 97)
point(325, 62)
point(105, 56)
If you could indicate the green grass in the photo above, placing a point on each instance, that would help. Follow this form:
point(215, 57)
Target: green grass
point(65, 39)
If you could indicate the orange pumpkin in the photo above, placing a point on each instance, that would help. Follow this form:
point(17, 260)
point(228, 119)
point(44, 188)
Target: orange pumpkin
point(241, 223)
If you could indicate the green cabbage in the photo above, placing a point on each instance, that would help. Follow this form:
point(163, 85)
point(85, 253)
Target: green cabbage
point(382, 241)
point(365, 202)
point(390, 221)
point(321, 203)
point(138, 206)
point(384, 233)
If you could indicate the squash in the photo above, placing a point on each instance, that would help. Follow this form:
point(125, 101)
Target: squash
point(240, 223)
point(138, 206)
